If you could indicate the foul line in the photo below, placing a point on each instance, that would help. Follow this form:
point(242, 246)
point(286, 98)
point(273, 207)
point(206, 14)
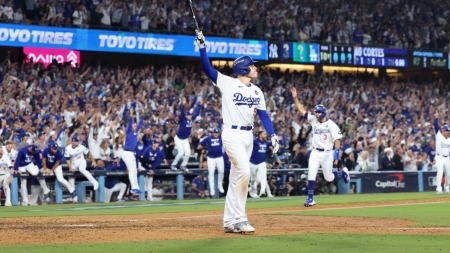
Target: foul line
point(308, 210)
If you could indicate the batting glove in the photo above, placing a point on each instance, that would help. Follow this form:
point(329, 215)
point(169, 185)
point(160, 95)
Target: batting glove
point(275, 144)
point(200, 39)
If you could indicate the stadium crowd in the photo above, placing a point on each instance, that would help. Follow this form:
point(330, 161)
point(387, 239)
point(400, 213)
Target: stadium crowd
point(395, 23)
point(387, 123)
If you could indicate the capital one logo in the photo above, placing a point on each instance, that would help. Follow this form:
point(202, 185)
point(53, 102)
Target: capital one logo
point(393, 180)
point(46, 55)
point(273, 51)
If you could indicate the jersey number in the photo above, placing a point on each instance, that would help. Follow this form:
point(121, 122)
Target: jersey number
point(325, 137)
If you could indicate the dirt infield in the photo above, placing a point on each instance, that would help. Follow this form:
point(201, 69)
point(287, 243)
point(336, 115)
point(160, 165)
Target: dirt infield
point(199, 225)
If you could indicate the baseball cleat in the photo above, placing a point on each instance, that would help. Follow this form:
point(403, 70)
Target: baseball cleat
point(230, 229)
point(184, 169)
point(96, 186)
point(75, 200)
point(438, 192)
point(253, 195)
point(221, 190)
point(136, 191)
point(173, 167)
point(120, 200)
point(73, 194)
point(8, 203)
point(47, 197)
point(244, 227)
point(310, 202)
point(345, 175)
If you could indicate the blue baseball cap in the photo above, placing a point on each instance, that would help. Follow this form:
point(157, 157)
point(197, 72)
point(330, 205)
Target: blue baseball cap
point(216, 130)
point(75, 139)
point(188, 113)
point(33, 148)
point(54, 145)
point(445, 128)
point(157, 181)
point(155, 142)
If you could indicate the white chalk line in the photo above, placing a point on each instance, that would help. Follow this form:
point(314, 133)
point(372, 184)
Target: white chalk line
point(305, 210)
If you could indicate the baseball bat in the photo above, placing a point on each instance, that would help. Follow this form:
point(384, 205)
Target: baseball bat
point(193, 16)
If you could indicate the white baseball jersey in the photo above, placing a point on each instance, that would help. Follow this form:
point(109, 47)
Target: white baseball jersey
point(5, 165)
point(76, 154)
point(239, 101)
point(12, 154)
point(324, 134)
point(442, 145)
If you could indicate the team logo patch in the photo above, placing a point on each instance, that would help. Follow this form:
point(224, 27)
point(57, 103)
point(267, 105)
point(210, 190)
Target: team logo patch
point(256, 92)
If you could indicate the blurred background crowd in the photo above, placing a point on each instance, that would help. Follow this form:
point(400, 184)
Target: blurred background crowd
point(396, 23)
point(387, 122)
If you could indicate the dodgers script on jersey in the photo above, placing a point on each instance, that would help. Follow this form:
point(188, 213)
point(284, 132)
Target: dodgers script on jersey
point(5, 165)
point(239, 101)
point(324, 134)
point(76, 154)
point(442, 145)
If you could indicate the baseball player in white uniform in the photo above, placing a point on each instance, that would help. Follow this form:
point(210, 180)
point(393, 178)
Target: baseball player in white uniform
point(74, 154)
point(9, 151)
point(241, 101)
point(325, 134)
point(6, 176)
point(442, 155)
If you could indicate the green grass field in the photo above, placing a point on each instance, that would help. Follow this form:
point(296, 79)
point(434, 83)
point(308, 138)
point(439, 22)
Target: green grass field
point(426, 215)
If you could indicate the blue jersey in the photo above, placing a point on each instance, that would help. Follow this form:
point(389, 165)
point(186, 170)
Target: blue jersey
point(186, 125)
point(215, 146)
point(226, 161)
point(431, 152)
point(24, 158)
point(50, 158)
point(416, 149)
point(147, 140)
point(199, 183)
point(131, 139)
point(260, 149)
point(153, 157)
point(111, 181)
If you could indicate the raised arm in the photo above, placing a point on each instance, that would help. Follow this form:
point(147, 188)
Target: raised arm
point(206, 65)
point(436, 122)
point(299, 105)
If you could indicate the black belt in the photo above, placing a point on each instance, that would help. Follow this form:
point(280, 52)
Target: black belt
point(128, 150)
point(320, 149)
point(245, 128)
point(442, 155)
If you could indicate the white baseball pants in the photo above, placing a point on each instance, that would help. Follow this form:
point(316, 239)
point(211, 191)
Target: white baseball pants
point(37, 193)
point(214, 163)
point(34, 171)
point(149, 187)
point(4, 181)
point(80, 166)
point(324, 159)
point(259, 175)
point(119, 187)
point(59, 176)
point(184, 150)
point(129, 159)
point(442, 164)
point(238, 144)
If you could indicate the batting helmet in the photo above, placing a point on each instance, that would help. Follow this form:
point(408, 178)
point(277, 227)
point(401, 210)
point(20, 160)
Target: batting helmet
point(240, 65)
point(321, 108)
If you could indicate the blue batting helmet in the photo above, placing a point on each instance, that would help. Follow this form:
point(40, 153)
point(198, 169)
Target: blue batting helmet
point(321, 108)
point(445, 128)
point(240, 65)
